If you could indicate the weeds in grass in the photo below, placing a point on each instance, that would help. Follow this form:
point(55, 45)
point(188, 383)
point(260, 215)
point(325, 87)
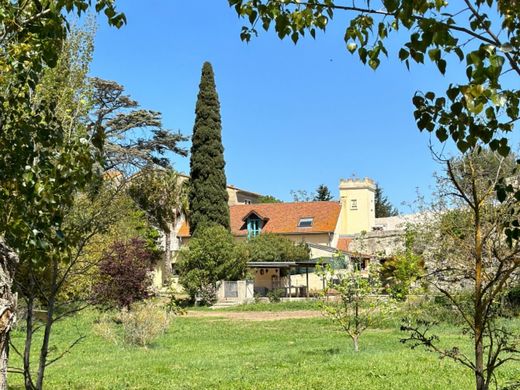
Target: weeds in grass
point(140, 325)
point(144, 323)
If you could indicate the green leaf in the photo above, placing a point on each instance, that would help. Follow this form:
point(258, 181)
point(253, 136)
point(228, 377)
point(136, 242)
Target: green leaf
point(441, 64)
point(442, 134)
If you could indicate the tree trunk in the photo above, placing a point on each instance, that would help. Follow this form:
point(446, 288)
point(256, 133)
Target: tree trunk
point(8, 261)
point(28, 341)
point(51, 302)
point(479, 301)
point(355, 339)
point(168, 255)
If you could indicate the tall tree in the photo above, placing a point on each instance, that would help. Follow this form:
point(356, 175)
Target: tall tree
point(383, 206)
point(64, 163)
point(322, 193)
point(208, 196)
point(159, 192)
point(31, 34)
point(466, 247)
point(125, 129)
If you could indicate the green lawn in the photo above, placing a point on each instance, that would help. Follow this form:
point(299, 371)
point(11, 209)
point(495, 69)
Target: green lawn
point(214, 353)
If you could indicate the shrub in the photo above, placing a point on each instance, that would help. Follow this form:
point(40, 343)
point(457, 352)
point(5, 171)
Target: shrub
point(211, 256)
point(174, 305)
point(144, 323)
point(513, 298)
point(124, 274)
point(400, 272)
point(275, 295)
point(140, 325)
point(104, 328)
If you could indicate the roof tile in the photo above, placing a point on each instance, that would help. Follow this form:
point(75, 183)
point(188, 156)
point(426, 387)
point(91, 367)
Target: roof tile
point(283, 218)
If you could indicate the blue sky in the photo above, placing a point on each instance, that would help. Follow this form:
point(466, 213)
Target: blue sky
point(293, 116)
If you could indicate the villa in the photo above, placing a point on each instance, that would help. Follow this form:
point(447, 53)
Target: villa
point(326, 227)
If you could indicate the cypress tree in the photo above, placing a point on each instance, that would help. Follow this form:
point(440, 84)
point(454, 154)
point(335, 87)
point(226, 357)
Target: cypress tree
point(208, 197)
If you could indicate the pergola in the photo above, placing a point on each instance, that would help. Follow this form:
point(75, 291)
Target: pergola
point(287, 265)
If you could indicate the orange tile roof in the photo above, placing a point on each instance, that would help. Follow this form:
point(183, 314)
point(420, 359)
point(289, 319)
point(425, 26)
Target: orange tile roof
point(283, 218)
point(184, 231)
point(343, 244)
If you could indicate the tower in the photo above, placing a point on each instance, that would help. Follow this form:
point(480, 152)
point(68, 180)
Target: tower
point(357, 198)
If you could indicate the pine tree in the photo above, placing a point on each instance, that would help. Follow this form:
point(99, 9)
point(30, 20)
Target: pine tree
point(383, 206)
point(322, 193)
point(208, 196)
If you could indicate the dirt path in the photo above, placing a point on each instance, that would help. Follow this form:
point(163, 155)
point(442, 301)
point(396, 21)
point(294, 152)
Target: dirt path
point(256, 315)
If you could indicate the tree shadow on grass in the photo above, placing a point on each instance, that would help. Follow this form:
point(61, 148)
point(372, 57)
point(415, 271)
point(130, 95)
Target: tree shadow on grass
point(327, 351)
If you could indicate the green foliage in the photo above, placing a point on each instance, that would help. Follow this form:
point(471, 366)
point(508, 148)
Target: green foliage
point(513, 298)
point(157, 192)
point(402, 270)
point(212, 255)
point(322, 193)
point(268, 199)
point(273, 247)
point(207, 196)
point(121, 124)
point(47, 153)
point(383, 206)
point(275, 295)
point(113, 216)
point(43, 162)
point(356, 306)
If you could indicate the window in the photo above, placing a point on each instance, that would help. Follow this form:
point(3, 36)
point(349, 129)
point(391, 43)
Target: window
point(247, 201)
point(254, 227)
point(353, 204)
point(305, 222)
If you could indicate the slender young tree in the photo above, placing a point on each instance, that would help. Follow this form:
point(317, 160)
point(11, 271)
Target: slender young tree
point(208, 196)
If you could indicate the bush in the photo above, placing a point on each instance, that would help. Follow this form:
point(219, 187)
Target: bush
point(212, 255)
point(400, 272)
point(124, 274)
point(275, 295)
point(144, 323)
point(513, 298)
point(104, 328)
point(174, 304)
point(140, 325)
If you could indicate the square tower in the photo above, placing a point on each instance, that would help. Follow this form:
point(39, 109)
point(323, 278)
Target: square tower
point(357, 198)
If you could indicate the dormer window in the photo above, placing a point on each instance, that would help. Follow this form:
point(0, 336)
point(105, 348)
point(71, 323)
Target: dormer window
point(305, 222)
point(254, 222)
point(254, 226)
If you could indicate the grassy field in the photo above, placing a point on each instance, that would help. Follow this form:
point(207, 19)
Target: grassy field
point(215, 353)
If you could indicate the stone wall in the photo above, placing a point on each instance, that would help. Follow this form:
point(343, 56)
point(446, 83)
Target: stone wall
point(377, 243)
